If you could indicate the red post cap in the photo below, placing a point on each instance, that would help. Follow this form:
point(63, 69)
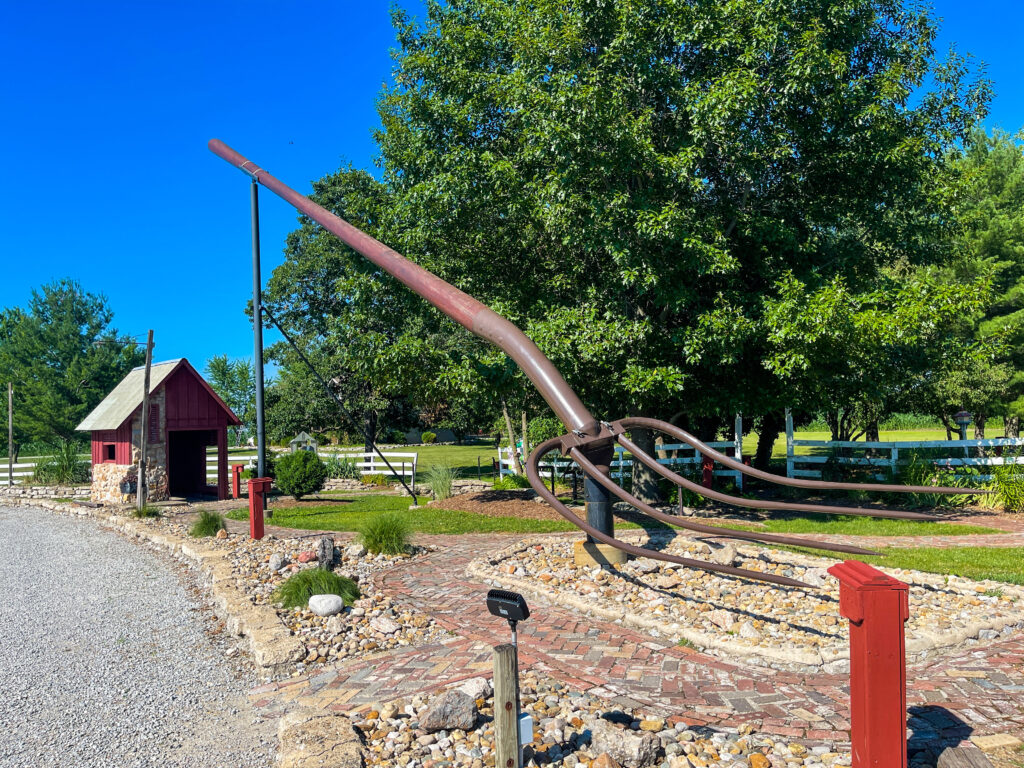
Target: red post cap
point(857, 580)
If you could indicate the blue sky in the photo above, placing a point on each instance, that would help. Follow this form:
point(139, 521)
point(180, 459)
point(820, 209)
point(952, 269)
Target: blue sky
point(107, 108)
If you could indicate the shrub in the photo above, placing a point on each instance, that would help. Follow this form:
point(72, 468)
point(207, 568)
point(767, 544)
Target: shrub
point(344, 468)
point(441, 477)
point(511, 482)
point(428, 437)
point(300, 473)
point(377, 479)
point(386, 533)
point(295, 591)
point(398, 437)
point(1008, 482)
point(208, 524)
point(922, 471)
point(146, 511)
point(63, 466)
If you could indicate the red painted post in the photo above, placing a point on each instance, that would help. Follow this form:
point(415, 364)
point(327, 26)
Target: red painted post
point(708, 471)
point(236, 480)
point(877, 608)
point(258, 487)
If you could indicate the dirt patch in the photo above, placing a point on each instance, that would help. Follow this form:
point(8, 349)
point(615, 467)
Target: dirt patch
point(501, 504)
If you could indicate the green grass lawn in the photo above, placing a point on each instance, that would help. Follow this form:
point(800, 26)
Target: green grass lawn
point(350, 517)
point(851, 525)
point(995, 563)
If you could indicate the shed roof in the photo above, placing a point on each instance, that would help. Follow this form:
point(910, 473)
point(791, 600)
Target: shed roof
point(302, 437)
point(126, 397)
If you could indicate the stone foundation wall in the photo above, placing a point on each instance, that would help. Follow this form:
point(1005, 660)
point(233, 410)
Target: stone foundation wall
point(116, 483)
point(44, 491)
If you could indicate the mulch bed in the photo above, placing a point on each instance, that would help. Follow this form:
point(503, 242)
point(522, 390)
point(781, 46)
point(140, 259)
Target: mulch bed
point(501, 504)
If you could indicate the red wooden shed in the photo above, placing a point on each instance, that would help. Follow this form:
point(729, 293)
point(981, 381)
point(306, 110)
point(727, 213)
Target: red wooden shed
point(186, 416)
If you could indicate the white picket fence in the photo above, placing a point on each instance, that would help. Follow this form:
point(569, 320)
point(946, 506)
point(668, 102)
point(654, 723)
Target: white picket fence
point(621, 465)
point(959, 453)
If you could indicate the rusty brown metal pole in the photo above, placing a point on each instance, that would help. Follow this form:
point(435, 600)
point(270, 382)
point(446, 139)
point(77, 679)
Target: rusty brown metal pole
point(459, 306)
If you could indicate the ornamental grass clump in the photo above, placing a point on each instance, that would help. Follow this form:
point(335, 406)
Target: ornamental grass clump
point(300, 473)
point(146, 511)
point(295, 591)
point(386, 533)
point(441, 478)
point(208, 524)
point(1008, 482)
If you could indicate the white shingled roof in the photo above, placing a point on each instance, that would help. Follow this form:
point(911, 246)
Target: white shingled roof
point(126, 397)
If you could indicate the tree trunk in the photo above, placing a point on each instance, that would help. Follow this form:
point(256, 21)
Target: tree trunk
point(979, 427)
point(370, 430)
point(871, 432)
point(645, 481)
point(513, 455)
point(526, 436)
point(771, 425)
point(1013, 426)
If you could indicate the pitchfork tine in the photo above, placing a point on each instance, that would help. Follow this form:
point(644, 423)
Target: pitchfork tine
point(721, 458)
point(533, 475)
point(732, 533)
point(738, 501)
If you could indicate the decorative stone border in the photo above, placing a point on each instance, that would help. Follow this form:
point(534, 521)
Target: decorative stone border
point(270, 642)
point(44, 491)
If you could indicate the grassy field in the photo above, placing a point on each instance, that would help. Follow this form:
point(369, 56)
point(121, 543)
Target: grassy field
point(850, 525)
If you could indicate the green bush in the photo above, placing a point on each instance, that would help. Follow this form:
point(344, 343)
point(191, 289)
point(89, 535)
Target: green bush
point(300, 473)
point(146, 511)
point(386, 533)
point(295, 591)
point(1008, 483)
point(428, 437)
point(441, 477)
point(208, 524)
point(920, 470)
point(511, 482)
point(62, 466)
point(398, 437)
point(344, 468)
point(376, 479)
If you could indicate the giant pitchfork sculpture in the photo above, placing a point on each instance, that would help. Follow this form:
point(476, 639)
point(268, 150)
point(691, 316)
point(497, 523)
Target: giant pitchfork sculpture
point(589, 442)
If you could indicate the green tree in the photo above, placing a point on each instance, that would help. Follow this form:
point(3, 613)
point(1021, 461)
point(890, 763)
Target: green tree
point(63, 356)
point(235, 382)
point(631, 181)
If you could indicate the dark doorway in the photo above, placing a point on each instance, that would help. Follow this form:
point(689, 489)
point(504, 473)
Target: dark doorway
point(186, 461)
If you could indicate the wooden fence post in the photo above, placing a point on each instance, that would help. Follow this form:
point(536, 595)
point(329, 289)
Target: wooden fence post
point(506, 708)
point(789, 443)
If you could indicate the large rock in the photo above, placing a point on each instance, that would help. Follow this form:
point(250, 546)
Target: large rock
point(384, 625)
point(633, 748)
point(277, 562)
point(725, 555)
point(325, 553)
point(453, 709)
point(311, 739)
point(476, 688)
point(326, 605)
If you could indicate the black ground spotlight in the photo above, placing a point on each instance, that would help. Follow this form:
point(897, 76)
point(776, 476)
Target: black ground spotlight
point(510, 606)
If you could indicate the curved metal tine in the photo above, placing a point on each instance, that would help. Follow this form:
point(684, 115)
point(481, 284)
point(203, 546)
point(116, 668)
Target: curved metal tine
point(595, 474)
point(738, 501)
point(533, 475)
point(721, 458)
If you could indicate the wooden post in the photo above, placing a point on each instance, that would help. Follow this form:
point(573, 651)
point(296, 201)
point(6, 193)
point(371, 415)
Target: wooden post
point(789, 443)
point(10, 433)
point(738, 451)
point(479, 472)
point(506, 708)
point(142, 486)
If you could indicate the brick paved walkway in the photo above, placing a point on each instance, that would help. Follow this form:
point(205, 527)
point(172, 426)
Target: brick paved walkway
point(974, 692)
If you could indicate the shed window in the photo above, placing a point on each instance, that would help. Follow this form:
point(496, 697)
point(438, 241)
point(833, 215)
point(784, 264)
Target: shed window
point(109, 453)
point(154, 435)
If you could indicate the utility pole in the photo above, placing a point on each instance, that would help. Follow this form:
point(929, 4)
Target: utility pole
point(143, 487)
point(10, 433)
point(257, 332)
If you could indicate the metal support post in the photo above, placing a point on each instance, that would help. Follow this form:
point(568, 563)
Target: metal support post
point(257, 331)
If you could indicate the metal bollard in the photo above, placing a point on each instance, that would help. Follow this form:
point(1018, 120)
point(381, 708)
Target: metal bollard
point(258, 488)
point(236, 480)
point(877, 608)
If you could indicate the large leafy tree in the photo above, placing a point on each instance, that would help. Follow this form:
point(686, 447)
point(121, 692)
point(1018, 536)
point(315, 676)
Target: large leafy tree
point(235, 382)
point(631, 181)
point(63, 356)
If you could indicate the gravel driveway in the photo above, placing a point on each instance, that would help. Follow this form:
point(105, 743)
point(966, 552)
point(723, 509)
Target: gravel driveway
point(104, 660)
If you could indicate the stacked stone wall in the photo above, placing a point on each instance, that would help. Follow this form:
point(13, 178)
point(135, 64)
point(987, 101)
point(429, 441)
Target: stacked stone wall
point(44, 491)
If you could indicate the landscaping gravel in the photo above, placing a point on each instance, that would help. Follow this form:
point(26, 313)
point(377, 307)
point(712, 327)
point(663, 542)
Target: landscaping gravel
point(104, 659)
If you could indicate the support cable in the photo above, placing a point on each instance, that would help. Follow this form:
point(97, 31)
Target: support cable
point(348, 414)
